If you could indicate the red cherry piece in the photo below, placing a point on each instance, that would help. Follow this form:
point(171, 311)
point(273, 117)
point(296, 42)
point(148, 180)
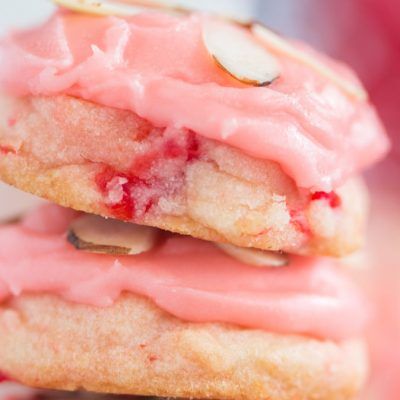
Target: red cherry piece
point(333, 198)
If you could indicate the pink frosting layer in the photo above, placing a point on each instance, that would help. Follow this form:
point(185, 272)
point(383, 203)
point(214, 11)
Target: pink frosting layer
point(157, 66)
point(189, 278)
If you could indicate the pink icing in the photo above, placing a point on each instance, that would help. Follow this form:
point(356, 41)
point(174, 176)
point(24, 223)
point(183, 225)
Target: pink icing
point(157, 66)
point(189, 278)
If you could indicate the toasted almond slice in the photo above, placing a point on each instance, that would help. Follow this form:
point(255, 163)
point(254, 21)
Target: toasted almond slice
point(127, 8)
point(254, 257)
point(109, 236)
point(239, 54)
point(102, 7)
point(277, 43)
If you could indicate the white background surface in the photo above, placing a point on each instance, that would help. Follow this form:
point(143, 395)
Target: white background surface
point(20, 13)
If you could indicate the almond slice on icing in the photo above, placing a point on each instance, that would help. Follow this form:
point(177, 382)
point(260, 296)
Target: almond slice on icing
point(237, 52)
point(127, 8)
point(109, 236)
point(101, 7)
point(277, 43)
point(254, 257)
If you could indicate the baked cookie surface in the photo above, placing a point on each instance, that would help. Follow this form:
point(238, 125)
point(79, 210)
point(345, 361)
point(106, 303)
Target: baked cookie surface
point(135, 348)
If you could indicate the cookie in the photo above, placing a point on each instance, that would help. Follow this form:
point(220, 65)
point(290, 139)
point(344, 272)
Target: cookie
point(135, 348)
point(113, 163)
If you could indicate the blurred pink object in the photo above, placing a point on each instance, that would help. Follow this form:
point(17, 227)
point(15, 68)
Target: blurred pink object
point(367, 36)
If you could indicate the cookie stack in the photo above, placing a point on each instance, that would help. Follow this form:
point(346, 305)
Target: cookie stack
point(203, 178)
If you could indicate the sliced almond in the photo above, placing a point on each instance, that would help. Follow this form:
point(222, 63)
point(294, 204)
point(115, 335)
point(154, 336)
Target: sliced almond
point(239, 54)
point(127, 8)
point(109, 236)
point(254, 257)
point(278, 44)
point(102, 7)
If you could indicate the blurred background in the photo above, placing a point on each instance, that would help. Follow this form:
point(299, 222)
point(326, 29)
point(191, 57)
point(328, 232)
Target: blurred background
point(365, 34)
